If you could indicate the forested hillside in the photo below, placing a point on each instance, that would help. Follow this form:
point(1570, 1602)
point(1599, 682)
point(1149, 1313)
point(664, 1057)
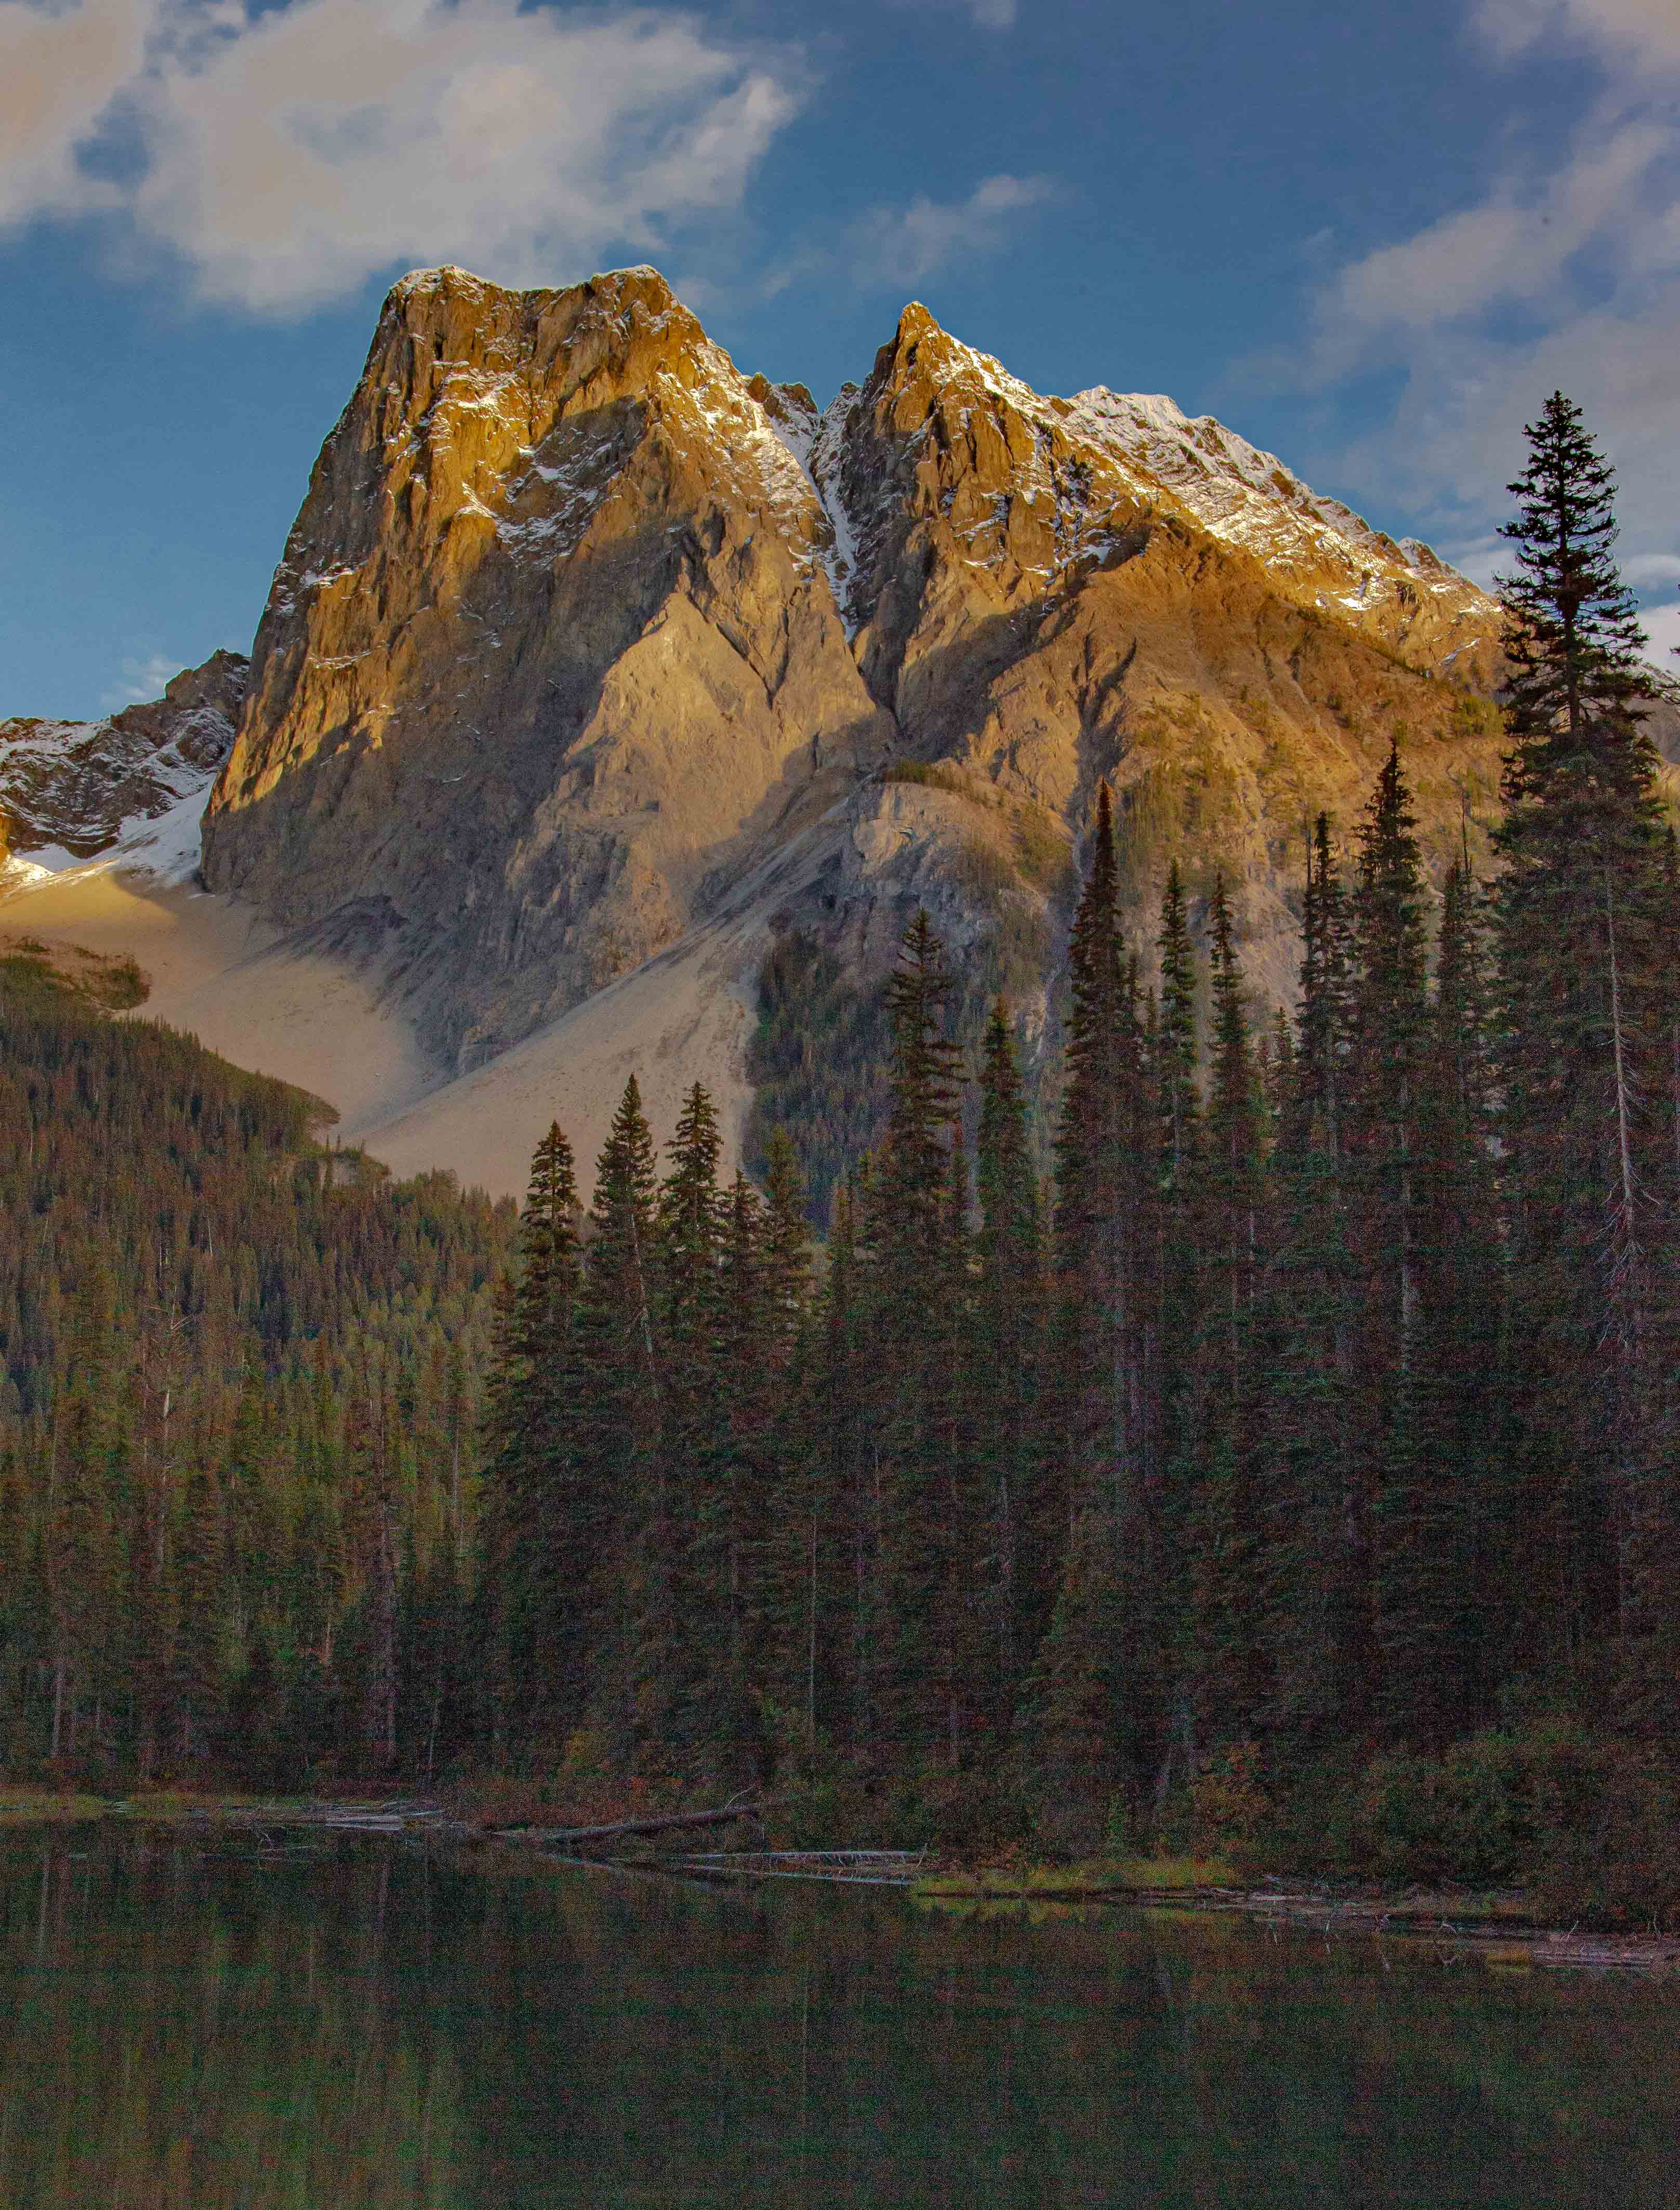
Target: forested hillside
point(238, 1408)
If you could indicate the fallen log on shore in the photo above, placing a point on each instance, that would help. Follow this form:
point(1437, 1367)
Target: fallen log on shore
point(660, 1823)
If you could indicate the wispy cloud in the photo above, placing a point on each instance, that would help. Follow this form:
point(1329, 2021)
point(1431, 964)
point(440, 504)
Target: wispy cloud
point(903, 245)
point(59, 73)
point(143, 678)
point(1643, 29)
point(289, 154)
point(1564, 275)
point(986, 15)
point(1662, 629)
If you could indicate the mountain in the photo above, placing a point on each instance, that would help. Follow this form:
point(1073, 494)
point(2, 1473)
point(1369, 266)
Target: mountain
point(579, 630)
point(593, 668)
point(70, 790)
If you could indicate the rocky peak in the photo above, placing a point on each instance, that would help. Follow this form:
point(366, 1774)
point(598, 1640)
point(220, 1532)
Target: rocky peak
point(578, 628)
point(552, 651)
point(72, 789)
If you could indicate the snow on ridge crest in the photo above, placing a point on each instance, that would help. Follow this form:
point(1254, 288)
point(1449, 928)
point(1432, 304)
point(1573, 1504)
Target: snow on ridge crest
point(1234, 488)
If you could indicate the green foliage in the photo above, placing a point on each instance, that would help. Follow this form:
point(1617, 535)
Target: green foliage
point(1475, 717)
point(1043, 855)
point(933, 774)
point(192, 1308)
point(1588, 1825)
point(818, 1061)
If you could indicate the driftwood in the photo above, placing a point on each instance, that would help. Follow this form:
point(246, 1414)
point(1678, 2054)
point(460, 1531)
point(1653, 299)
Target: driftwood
point(663, 1823)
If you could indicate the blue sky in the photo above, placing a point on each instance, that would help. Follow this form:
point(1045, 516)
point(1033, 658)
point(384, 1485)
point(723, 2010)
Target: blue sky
point(1371, 239)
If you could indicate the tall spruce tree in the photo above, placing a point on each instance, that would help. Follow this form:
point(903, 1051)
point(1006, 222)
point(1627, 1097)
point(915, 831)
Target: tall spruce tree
point(1405, 1504)
point(1316, 1575)
point(916, 1276)
point(1580, 978)
point(619, 1378)
point(1229, 1636)
point(698, 1551)
point(1174, 1062)
point(1440, 1596)
point(1008, 1323)
point(538, 1534)
point(1104, 1255)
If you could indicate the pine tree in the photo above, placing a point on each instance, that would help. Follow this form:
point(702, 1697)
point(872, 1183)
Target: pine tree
point(790, 1518)
point(1228, 1638)
point(1104, 1252)
point(1325, 1013)
point(1579, 983)
point(697, 1554)
point(1389, 1027)
point(752, 1479)
point(1175, 1055)
point(79, 1579)
point(1008, 1324)
point(199, 1600)
point(1396, 1503)
point(1101, 1175)
point(842, 1620)
point(915, 1276)
point(374, 1449)
point(622, 1399)
point(1572, 640)
point(1315, 1576)
point(1439, 1594)
point(1176, 1052)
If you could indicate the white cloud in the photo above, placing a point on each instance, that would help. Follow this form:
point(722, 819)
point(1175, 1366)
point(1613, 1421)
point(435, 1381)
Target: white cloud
point(902, 245)
point(1648, 28)
point(1514, 248)
point(59, 71)
point(144, 678)
point(986, 15)
point(1565, 275)
point(1649, 571)
point(1662, 629)
point(291, 154)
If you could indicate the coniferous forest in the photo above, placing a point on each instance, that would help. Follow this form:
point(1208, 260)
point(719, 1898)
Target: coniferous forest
point(1301, 1460)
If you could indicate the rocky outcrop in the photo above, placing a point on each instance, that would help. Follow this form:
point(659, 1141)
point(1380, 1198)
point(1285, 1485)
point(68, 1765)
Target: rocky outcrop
point(1048, 592)
point(578, 626)
point(79, 786)
point(552, 655)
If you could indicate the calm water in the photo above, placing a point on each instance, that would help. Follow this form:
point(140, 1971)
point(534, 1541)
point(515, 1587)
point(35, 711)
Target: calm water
point(184, 2027)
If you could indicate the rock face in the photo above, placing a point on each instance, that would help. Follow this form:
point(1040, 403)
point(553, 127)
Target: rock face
point(79, 786)
point(578, 627)
point(551, 657)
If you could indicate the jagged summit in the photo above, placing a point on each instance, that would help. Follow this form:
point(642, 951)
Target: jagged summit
point(579, 626)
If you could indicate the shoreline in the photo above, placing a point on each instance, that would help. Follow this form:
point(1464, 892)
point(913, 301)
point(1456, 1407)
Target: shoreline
point(1496, 1926)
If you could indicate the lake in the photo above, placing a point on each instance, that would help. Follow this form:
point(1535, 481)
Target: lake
point(188, 2022)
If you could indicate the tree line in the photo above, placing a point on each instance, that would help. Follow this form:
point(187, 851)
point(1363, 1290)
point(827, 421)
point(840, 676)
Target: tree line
point(1327, 1396)
point(1322, 1401)
point(240, 1378)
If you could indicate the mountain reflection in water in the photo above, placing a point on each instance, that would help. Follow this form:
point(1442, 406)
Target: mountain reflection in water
point(198, 2025)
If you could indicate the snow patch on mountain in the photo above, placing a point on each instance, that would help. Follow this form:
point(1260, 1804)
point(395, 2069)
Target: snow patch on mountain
point(127, 792)
point(1247, 496)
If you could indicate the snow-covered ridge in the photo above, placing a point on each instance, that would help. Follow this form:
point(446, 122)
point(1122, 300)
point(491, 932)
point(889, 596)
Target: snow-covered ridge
point(1242, 494)
point(128, 792)
point(834, 508)
point(1065, 465)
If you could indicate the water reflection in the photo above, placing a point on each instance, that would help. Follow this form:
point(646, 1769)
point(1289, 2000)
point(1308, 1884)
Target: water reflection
point(187, 2026)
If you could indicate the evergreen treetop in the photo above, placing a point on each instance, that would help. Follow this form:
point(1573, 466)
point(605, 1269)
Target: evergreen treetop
point(1573, 638)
